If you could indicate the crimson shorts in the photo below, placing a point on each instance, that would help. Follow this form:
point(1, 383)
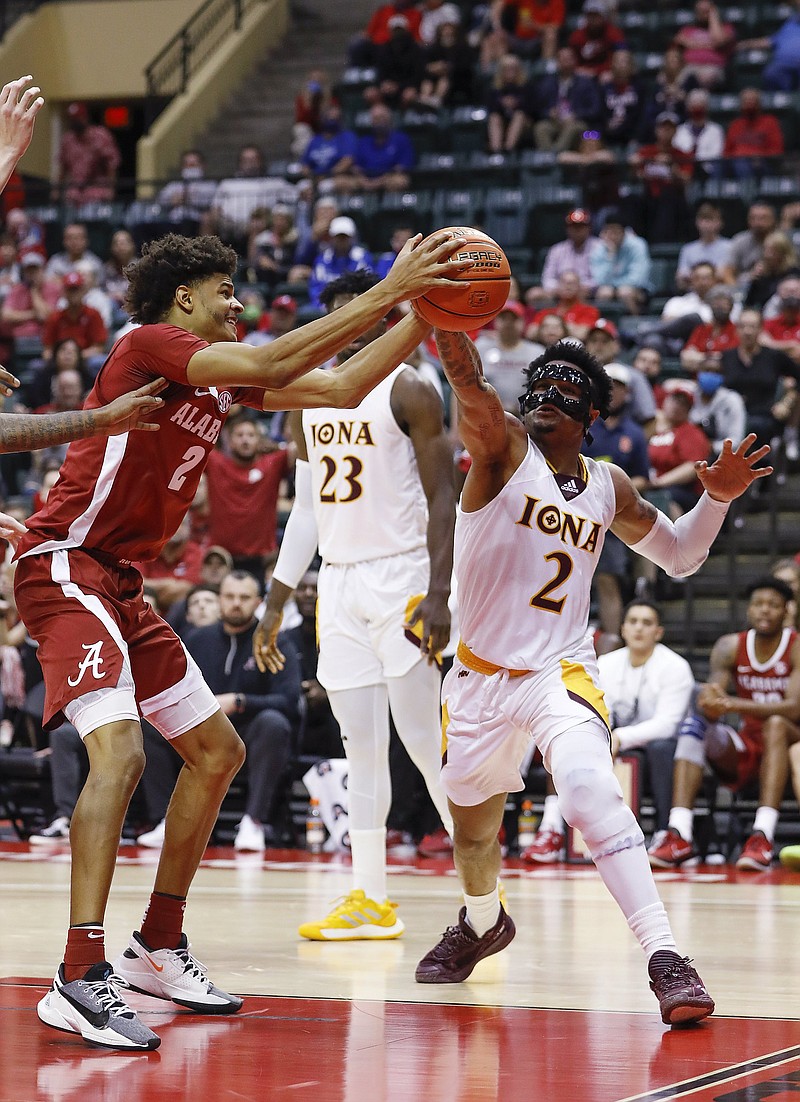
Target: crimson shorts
point(100, 642)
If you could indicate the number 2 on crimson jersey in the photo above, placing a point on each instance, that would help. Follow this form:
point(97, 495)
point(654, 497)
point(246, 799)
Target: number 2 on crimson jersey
point(191, 458)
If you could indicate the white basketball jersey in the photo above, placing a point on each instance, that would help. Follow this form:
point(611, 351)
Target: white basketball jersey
point(368, 497)
point(524, 564)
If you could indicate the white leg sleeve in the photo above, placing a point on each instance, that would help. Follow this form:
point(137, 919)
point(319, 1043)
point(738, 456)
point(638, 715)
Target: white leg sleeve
point(363, 716)
point(300, 538)
point(682, 547)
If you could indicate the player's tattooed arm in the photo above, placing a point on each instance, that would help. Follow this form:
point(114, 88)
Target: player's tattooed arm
point(482, 421)
point(29, 431)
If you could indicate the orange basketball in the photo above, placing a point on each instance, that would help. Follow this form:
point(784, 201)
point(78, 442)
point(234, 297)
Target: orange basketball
point(460, 308)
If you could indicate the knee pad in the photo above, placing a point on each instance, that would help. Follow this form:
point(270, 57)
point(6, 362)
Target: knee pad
point(694, 726)
point(590, 800)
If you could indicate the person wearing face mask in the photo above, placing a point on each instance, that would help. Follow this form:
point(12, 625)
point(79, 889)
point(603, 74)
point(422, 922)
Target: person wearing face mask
point(783, 332)
point(709, 340)
point(717, 410)
point(700, 136)
point(88, 160)
point(752, 138)
point(190, 197)
point(384, 156)
point(329, 154)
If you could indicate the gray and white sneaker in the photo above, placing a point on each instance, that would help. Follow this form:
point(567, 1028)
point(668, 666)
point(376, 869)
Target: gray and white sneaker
point(93, 1007)
point(173, 974)
point(57, 831)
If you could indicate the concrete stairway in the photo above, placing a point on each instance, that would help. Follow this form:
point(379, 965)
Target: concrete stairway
point(262, 111)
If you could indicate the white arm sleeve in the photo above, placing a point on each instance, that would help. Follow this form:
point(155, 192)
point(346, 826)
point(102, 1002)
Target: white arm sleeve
point(299, 543)
point(682, 547)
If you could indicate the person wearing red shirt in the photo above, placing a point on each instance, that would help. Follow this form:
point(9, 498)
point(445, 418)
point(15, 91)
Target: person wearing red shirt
point(178, 567)
point(673, 450)
point(706, 343)
point(783, 332)
point(596, 40)
point(243, 488)
point(665, 170)
point(579, 317)
point(77, 322)
point(107, 657)
point(365, 50)
point(751, 137)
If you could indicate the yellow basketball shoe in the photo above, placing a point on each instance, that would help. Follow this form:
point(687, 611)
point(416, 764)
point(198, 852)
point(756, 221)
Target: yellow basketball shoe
point(356, 918)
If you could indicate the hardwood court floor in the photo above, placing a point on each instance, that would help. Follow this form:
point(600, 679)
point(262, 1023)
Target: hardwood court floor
point(563, 1015)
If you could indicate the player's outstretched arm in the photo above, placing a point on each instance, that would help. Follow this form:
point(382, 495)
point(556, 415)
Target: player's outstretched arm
point(274, 366)
point(29, 431)
point(482, 422)
point(19, 106)
point(345, 386)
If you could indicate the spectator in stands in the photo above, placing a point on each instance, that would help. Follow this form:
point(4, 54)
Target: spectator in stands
point(623, 97)
point(710, 247)
point(384, 155)
point(244, 484)
point(75, 240)
point(26, 231)
point(595, 168)
point(620, 265)
point(718, 410)
point(252, 317)
point(596, 39)
point(573, 254)
point(673, 450)
point(169, 578)
point(449, 65)
point(121, 253)
point(603, 341)
point(30, 302)
point(707, 341)
point(342, 255)
point(505, 353)
point(510, 106)
point(760, 375)
point(271, 253)
point(673, 83)
point(88, 160)
point(251, 188)
point(330, 153)
point(778, 261)
point(617, 439)
point(551, 328)
point(314, 238)
point(528, 28)
point(747, 247)
point(94, 296)
point(754, 675)
point(579, 316)
point(783, 332)
point(752, 138)
point(263, 707)
point(364, 50)
point(566, 104)
point(282, 317)
point(708, 44)
point(665, 170)
point(398, 239)
point(77, 320)
point(190, 198)
point(647, 362)
point(701, 137)
point(314, 101)
point(67, 356)
point(648, 690)
point(399, 67)
point(782, 71)
point(435, 13)
point(682, 314)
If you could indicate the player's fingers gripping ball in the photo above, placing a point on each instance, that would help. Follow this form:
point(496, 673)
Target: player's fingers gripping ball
point(485, 285)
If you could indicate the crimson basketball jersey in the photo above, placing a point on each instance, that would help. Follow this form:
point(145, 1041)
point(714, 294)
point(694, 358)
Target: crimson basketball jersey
point(126, 495)
point(762, 681)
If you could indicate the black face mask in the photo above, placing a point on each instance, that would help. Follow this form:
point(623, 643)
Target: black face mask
point(578, 409)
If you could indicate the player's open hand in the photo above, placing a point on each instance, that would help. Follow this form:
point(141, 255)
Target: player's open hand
point(11, 529)
point(421, 265)
point(433, 619)
point(8, 382)
point(266, 651)
point(130, 411)
point(19, 107)
point(733, 470)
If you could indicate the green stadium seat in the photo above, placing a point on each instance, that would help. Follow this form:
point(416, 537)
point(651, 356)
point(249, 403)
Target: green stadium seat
point(459, 207)
point(547, 206)
point(493, 169)
point(468, 129)
point(506, 217)
point(439, 170)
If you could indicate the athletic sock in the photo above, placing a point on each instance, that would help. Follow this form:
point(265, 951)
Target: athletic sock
point(682, 820)
point(162, 924)
point(552, 818)
point(483, 911)
point(368, 854)
point(86, 945)
point(651, 928)
point(766, 820)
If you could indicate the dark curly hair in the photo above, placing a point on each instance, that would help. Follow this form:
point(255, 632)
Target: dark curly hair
point(350, 283)
point(574, 351)
point(782, 588)
point(167, 263)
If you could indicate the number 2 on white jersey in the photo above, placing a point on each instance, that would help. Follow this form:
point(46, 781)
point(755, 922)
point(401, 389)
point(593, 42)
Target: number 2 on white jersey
point(542, 598)
point(190, 459)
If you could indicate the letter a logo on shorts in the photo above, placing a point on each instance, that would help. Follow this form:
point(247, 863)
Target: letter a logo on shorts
point(92, 661)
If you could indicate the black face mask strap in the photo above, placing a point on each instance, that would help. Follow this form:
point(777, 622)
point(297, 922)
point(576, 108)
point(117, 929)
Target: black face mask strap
point(579, 409)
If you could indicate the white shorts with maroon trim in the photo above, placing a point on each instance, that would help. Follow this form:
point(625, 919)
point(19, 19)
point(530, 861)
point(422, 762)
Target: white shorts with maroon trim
point(491, 721)
point(105, 653)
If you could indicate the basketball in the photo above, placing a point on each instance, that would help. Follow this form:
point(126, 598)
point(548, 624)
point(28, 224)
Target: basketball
point(460, 308)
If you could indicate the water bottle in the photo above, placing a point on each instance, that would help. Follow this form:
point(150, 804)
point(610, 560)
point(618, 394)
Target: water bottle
point(526, 826)
point(315, 828)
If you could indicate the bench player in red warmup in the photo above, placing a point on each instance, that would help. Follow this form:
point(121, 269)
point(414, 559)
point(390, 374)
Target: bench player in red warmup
point(107, 657)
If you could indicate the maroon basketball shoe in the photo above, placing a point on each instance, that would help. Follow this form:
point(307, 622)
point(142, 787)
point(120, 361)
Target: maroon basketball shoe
point(460, 949)
point(681, 993)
